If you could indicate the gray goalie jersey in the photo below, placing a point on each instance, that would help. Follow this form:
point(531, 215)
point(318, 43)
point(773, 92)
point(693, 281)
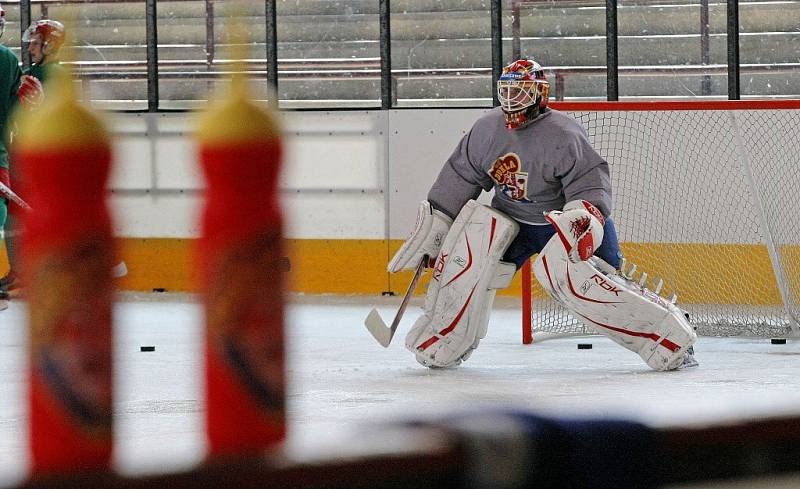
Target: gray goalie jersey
point(533, 170)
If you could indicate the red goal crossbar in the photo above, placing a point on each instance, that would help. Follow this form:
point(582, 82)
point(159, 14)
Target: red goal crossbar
point(677, 105)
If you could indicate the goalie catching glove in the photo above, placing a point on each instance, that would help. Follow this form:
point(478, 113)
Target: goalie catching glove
point(579, 227)
point(426, 239)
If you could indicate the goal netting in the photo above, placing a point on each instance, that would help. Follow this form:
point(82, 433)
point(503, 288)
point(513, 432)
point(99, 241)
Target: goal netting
point(706, 199)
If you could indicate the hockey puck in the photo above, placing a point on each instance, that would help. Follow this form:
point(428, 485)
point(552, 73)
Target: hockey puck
point(778, 341)
point(584, 346)
point(147, 348)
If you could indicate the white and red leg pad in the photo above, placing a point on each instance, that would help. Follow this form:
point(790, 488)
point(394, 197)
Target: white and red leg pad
point(467, 273)
point(614, 306)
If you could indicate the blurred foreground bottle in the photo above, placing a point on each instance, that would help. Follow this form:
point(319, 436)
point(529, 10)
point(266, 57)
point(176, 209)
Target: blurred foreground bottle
point(68, 252)
point(241, 279)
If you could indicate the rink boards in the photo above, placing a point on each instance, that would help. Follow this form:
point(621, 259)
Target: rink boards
point(351, 182)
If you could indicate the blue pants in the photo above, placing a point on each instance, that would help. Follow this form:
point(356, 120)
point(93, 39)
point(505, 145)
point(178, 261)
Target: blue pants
point(531, 239)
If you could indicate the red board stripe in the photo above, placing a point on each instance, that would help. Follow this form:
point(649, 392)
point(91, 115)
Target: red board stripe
point(677, 105)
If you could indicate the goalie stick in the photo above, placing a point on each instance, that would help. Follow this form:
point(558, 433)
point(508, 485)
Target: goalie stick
point(13, 197)
point(376, 325)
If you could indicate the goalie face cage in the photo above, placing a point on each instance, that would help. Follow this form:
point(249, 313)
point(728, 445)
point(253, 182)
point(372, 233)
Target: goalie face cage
point(705, 197)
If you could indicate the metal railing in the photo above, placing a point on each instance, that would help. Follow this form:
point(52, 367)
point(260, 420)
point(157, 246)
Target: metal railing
point(370, 68)
point(273, 69)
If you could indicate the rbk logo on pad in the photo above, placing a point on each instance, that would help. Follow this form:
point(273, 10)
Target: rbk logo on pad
point(605, 284)
point(506, 172)
point(438, 268)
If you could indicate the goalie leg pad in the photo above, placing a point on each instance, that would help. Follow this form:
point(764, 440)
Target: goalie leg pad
point(632, 316)
point(465, 277)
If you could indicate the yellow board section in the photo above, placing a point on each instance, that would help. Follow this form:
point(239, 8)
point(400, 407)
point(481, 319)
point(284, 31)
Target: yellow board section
point(744, 277)
point(158, 264)
point(790, 257)
point(317, 266)
point(338, 266)
point(696, 273)
point(3, 259)
point(359, 267)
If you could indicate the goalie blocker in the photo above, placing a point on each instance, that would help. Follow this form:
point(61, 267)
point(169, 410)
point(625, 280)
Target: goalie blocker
point(632, 316)
point(465, 277)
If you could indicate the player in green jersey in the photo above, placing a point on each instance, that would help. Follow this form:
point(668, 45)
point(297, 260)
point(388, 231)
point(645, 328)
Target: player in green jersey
point(10, 74)
point(44, 39)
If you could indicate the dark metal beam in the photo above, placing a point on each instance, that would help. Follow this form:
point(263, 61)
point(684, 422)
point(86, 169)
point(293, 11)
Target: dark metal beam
point(497, 46)
point(705, 45)
point(516, 30)
point(210, 46)
point(151, 33)
point(612, 55)
point(386, 55)
point(272, 51)
point(733, 50)
point(24, 22)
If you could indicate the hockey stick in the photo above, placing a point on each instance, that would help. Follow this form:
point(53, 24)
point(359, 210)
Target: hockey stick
point(10, 195)
point(376, 325)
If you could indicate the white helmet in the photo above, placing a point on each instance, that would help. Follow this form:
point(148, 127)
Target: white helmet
point(51, 33)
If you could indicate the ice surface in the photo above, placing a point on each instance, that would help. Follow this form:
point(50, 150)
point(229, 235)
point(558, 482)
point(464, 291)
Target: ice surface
point(341, 381)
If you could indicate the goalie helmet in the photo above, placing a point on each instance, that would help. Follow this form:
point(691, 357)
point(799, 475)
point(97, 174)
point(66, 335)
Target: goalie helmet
point(50, 32)
point(523, 92)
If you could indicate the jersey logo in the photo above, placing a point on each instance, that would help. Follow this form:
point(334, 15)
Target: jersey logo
point(505, 171)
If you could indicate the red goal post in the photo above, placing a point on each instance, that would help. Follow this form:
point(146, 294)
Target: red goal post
point(704, 198)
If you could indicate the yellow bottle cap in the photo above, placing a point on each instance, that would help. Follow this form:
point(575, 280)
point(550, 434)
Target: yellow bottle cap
point(61, 121)
point(235, 118)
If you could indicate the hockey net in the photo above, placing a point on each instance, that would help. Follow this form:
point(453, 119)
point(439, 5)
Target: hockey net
point(705, 199)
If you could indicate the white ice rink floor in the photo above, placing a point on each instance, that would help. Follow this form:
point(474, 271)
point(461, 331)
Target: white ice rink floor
point(341, 380)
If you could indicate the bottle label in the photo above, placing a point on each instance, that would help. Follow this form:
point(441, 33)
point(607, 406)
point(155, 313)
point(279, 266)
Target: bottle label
point(244, 307)
point(70, 321)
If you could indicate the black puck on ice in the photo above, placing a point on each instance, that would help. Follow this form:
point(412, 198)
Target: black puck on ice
point(584, 346)
point(147, 348)
point(778, 341)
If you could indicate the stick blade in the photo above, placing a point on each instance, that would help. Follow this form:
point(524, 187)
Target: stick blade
point(378, 329)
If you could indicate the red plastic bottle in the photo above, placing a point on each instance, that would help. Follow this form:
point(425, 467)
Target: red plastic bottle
point(68, 251)
point(241, 279)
